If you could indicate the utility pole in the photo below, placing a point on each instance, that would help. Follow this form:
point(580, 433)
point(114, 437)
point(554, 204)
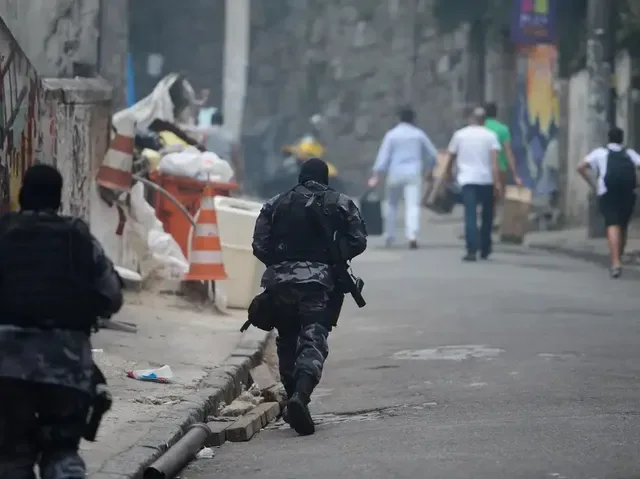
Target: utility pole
point(598, 94)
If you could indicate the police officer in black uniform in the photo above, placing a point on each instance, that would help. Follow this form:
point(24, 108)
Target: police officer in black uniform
point(55, 281)
point(300, 282)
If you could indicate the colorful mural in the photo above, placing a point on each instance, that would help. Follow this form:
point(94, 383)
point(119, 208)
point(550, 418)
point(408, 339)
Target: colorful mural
point(20, 91)
point(535, 123)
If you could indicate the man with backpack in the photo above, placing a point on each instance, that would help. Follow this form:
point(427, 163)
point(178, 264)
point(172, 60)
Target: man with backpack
point(615, 167)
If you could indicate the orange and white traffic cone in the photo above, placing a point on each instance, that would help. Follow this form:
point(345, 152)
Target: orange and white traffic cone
point(115, 172)
point(205, 258)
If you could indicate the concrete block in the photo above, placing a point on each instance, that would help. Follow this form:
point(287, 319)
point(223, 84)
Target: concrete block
point(276, 394)
point(261, 375)
point(244, 428)
point(218, 433)
point(267, 411)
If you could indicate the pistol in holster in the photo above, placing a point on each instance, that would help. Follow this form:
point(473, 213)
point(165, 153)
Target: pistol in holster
point(101, 403)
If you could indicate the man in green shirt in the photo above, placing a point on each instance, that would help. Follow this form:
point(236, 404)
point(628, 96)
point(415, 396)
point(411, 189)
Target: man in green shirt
point(506, 160)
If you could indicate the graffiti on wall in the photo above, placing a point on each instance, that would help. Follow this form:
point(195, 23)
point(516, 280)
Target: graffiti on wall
point(535, 123)
point(20, 90)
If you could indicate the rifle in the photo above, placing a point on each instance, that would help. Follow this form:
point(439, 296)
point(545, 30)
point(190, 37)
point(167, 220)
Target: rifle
point(347, 282)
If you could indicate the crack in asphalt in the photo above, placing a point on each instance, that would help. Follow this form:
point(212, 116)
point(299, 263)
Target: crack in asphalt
point(371, 414)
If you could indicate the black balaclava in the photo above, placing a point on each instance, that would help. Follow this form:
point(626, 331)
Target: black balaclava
point(314, 169)
point(41, 189)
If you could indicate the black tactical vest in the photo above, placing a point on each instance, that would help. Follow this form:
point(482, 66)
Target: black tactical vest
point(46, 272)
point(294, 236)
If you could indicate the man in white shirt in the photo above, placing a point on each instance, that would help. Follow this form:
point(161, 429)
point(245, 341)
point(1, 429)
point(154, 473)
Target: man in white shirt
point(615, 167)
point(474, 149)
point(406, 153)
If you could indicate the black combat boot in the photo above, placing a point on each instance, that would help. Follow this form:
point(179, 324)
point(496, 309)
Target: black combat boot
point(298, 407)
point(290, 389)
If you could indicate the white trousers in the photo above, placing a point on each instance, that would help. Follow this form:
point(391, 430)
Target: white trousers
point(408, 189)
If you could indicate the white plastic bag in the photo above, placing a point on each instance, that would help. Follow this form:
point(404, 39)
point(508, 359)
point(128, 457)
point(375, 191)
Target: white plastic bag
point(158, 251)
point(190, 163)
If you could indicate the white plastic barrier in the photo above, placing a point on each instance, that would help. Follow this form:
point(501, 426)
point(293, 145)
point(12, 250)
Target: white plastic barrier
point(236, 221)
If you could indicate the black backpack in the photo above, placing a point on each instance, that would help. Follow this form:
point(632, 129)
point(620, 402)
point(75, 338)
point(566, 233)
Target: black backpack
point(620, 175)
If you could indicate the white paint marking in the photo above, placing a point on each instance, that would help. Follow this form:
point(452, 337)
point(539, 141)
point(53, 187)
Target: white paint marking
point(449, 353)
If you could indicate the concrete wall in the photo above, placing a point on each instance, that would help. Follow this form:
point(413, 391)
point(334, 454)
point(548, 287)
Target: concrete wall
point(68, 38)
point(21, 122)
point(113, 48)
point(78, 112)
point(577, 190)
point(55, 34)
point(55, 121)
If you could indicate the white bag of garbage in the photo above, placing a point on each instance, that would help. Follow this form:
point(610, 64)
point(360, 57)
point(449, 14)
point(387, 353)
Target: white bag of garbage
point(160, 254)
point(192, 163)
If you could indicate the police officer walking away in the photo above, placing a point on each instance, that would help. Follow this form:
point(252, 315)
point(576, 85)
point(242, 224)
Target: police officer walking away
point(55, 281)
point(301, 282)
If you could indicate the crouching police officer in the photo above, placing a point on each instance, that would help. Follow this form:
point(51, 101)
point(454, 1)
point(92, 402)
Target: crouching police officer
point(300, 282)
point(55, 280)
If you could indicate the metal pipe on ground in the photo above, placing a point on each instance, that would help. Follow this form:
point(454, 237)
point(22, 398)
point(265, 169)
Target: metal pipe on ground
point(179, 455)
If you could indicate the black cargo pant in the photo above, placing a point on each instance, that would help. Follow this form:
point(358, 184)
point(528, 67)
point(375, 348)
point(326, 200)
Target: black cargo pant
point(41, 424)
point(307, 313)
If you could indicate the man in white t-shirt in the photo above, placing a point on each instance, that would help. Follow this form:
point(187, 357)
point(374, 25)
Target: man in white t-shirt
point(615, 167)
point(474, 149)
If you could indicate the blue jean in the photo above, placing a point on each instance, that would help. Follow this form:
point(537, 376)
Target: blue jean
point(472, 196)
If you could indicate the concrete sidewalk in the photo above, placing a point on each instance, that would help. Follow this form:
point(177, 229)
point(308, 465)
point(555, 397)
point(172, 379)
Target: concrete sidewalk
point(208, 356)
point(574, 242)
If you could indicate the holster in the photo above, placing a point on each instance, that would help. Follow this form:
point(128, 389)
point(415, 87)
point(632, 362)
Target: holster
point(261, 313)
point(100, 404)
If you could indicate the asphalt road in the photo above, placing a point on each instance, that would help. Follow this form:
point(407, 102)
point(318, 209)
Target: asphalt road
point(525, 366)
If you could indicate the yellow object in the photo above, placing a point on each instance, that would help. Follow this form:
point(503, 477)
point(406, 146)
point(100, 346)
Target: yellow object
point(308, 147)
point(152, 157)
point(333, 171)
point(169, 138)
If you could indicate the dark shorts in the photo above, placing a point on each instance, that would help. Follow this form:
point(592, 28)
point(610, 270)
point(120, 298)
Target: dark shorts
point(617, 208)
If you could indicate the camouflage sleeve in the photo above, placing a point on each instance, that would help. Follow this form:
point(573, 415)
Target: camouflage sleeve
point(355, 231)
point(107, 282)
point(262, 232)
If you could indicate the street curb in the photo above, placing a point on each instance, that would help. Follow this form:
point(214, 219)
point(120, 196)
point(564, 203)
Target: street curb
point(221, 386)
point(595, 258)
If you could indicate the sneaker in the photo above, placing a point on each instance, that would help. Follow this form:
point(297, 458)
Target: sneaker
point(469, 257)
point(299, 416)
point(615, 271)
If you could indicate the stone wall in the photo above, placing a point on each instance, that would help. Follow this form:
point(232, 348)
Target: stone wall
point(355, 62)
point(178, 37)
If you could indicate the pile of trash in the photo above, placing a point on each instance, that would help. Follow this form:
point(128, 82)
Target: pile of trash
point(164, 143)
